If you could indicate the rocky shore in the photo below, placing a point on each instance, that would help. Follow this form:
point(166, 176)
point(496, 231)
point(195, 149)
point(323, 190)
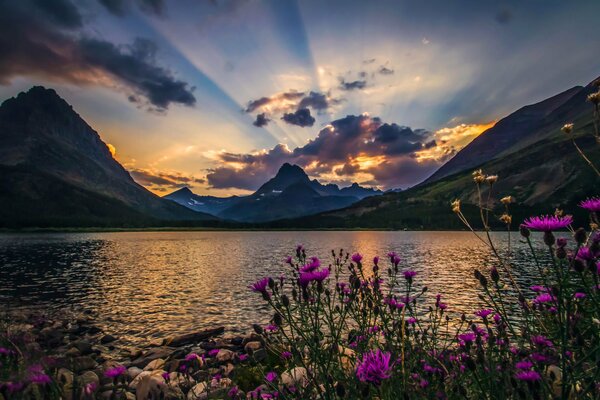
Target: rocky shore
point(86, 363)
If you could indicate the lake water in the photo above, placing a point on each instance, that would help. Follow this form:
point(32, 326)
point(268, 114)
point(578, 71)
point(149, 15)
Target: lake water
point(145, 285)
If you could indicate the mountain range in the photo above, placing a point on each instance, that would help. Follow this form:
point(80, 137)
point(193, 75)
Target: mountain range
point(289, 194)
point(55, 171)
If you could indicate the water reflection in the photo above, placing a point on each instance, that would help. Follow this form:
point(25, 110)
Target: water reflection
point(149, 284)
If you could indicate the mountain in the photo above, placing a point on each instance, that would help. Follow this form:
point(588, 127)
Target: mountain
point(536, 162)
point(289, 194)
point(56, 171)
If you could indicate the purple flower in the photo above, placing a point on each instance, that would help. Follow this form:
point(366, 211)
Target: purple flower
point(307, 277)
point(483, 313)
point(467, 337)
point(165, 376)
point(541, 341)
point(544, 298)
point(528, 376)
point(393, 303)
point(524, 365)
point(286, 355)
point(538, 288)
point(592, 204)
point(579, 295)
point(288, 260)
point(39, 378)
point(6, 352)
point(115, 371)
point(191, 357)
point(260, 286)
point(409, 275)
point(561, 242)
point(233, 391)
point(213, 352)
point(271, 376)
point(357, 258)
point(411, 320)
point(271, 328)
point(547, 223)
point(243, 357)
point(90, 388)
point(376, 260)
point(374, 367)
point(14, 387)
point(585, 254)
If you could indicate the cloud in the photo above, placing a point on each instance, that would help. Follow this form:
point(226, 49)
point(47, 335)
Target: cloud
point(317, 101)
point(301, 118)
point(385, 71)
point(43, 41)
point(279, 101)
point(261, 120)
point(360, 84)
point(353, 146)
point(161, 181)
point(121, 7)
point(448, 141)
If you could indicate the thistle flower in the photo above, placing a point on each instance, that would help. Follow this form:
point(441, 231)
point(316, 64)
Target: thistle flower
point(483, 313)
point(507, 200)
point(594, 98)
point(491, 179)
point(357, 258)
point(115, 371)
point(374, 367)
point(260, 286)
point(213, 352)
point(312, 265)
point(286, 355)
point(307, 277)
point(592, 204)
point(478, 176)
point(408, 275)
point(467, 337)
point(567, 128)
point(506, 218)
point(271, 376)
point(547, 223)
point(528, 376)
point(524, 364)
point(455, 206)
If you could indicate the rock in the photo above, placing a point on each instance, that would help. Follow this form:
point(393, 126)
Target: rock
point(251, 347)
point(225, 355)
point(179, 379)
point(107, 339)
point(93, 329)
point(295, 377)
point(196, 391)
point(151, 355)
point(51, 336)
point(227, 369)
point(84, 363)
point(194, 337)
point(159, 363)
point(259, 355)
point(150, 386)
point(89, 378)
point(83, 346)
point(65, 379)
point(72, 352)
point(132, 372)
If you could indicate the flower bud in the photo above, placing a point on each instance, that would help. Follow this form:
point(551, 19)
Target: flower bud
point(524, 231)
point(549, 238)
point(285, 300)
point(277, 319)
point(495, 275)
point(580, 236)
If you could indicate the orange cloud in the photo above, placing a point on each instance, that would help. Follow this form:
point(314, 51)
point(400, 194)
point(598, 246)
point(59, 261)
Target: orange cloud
point(112, 149)
point(450, 140)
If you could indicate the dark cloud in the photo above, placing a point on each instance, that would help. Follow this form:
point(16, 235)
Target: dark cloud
point(253, 105)
point(60, 12)
point(360, 84)
point(261, 120)
point(121, 7)
point(342, 142)
point(316, 101)
point(136, 66)
point(163, 181)
point(385, 70)
point(300, 117)
point(43, 41)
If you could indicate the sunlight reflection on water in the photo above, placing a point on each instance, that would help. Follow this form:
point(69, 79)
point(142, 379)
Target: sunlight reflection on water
point(152, 284)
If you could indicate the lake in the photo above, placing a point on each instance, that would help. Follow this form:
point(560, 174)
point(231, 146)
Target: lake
point(146, 285)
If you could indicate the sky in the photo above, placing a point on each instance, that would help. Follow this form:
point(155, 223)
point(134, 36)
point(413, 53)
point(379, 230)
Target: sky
point(218, 94)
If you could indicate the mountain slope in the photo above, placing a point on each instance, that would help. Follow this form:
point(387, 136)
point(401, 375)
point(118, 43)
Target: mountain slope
point(41, 133)
point(206, 204)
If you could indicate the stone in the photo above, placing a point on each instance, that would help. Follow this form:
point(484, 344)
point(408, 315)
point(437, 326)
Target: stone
point(197, 390)
point(65, 379)
point(107, 339)
point(225, 355)
point(87, 378)
point(84, 363)
point(251, 347)
point(151, 355)
point(72, 352)
point(132, 372)
point(159, 363)
point(194, 337)
point(83, 346)
point(259, 355)
point(295, 377)
point(150, 386)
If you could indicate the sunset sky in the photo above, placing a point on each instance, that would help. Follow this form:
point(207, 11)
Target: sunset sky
point(216, 95)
